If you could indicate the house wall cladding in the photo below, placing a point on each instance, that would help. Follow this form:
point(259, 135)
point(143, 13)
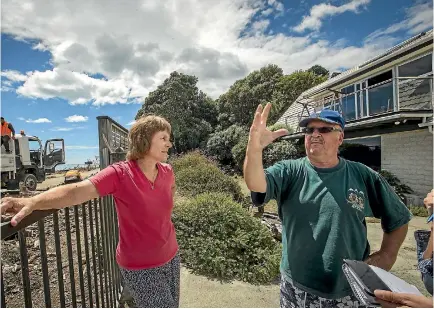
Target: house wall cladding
point(409, 155)
point(415, 94)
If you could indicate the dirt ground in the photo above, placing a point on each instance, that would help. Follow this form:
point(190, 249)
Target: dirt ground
point(57, 179)
point(406, 265)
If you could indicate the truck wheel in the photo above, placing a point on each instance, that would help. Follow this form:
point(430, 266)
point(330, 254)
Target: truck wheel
point(30, 182)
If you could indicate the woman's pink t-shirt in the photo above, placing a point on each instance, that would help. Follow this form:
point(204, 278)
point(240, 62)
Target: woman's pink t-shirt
point(146, 233)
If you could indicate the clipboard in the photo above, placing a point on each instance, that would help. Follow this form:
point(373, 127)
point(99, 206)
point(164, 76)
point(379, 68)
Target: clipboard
point(364, 279)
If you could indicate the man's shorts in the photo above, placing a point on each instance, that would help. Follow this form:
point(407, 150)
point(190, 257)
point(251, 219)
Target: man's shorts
point(292, 297)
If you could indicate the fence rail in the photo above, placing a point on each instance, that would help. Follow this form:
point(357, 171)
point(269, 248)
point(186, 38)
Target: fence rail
point(66, 258)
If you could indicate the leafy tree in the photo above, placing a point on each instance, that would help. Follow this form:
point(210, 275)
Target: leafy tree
point(319, 70)
point(220, 144)
point(239, 152)
point(239, 103)
point(278, 126)
point(289, 88)
point(191, 112)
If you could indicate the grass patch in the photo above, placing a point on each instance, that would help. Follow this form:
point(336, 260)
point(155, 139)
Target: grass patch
point(271, 206)
point(372, 220)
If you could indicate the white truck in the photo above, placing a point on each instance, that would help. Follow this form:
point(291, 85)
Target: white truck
point(28, 162)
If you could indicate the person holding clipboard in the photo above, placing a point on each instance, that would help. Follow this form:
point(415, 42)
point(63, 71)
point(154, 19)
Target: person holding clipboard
point(389, 299)
point(425, 248)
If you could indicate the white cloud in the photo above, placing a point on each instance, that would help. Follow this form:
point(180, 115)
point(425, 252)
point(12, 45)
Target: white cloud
point(131, 123)
point(74, 147)
point(260, 26)
point(76, 118)
point(40, 46)
point(267, 12)
point(418, 18)
point(77, 88)
point(39, 120)
point(6, 88)
point(11, 77)
point(66, 129)
point(318, 12)
point(14, 76)
point(136, 45)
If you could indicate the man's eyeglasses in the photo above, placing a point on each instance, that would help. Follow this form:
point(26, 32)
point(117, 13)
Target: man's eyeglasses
point(321, 130)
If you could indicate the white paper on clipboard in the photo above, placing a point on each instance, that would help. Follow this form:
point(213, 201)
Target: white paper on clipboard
point(394, 283)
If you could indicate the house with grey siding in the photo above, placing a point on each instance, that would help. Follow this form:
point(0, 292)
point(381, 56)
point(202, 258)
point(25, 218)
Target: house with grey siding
point(387, 102)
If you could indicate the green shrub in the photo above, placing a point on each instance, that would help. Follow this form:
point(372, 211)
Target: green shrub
point(219, 239)
point(239, 152)
point(221, 143)
point(418, 211)
point(278, 151)
point(278, 126)
point(189, 160)
point(395, 183)
point(275, 152)
point(205, 177)
point(299, 146)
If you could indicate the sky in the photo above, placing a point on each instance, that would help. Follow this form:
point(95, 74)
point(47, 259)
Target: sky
point(66, 62)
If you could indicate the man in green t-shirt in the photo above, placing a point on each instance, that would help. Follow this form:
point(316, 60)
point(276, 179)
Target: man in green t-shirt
point(322, 202)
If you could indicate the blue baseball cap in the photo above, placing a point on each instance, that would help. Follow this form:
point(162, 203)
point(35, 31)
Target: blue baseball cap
point(326, 115)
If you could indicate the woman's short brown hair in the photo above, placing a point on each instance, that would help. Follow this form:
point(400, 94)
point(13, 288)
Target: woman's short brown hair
point(141, 133)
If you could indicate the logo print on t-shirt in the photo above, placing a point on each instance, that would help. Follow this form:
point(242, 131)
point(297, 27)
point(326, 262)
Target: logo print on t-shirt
point(356, 198)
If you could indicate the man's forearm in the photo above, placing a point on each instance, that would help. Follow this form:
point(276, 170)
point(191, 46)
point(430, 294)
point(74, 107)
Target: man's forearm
point(12, 129)
point(254, 174)
point(386, 256)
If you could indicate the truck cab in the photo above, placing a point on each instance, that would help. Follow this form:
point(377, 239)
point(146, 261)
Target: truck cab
point(29, 161)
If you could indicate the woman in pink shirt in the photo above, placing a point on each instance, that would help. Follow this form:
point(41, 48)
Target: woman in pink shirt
point(143, 188)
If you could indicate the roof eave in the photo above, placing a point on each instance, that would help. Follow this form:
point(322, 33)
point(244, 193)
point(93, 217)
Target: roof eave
point(330, 83)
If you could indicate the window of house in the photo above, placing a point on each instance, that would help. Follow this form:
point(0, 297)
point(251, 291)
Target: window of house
point(364, 150)
point(416, 67)
point(380, 93)
point(329, 103)
point(362, 99)
point(348, 100)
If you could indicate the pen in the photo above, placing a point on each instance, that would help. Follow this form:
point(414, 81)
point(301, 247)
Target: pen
point(430, 218)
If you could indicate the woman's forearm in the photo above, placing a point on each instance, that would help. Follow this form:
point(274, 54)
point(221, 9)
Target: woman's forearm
point(64, 196)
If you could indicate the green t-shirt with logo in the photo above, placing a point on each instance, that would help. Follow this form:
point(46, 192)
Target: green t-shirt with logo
point(323, 214)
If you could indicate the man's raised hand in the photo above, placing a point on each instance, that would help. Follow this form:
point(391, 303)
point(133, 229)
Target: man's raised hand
point(260, 137)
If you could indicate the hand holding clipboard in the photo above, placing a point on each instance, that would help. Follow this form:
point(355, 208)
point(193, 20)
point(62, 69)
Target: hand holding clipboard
point(365, 279)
